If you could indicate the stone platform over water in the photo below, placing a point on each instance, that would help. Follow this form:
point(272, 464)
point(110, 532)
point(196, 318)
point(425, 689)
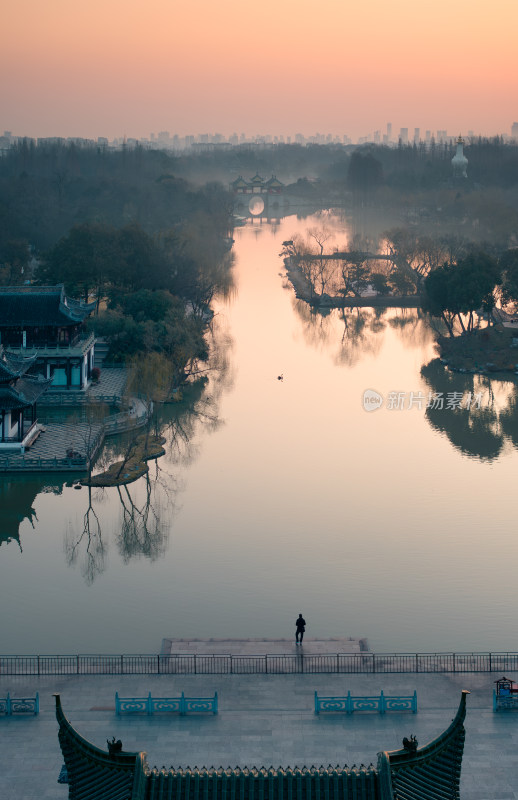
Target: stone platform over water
point(261, 647)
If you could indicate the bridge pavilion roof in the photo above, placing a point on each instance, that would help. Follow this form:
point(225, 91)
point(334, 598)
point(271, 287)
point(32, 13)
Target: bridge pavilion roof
point(431, 772)
point(40, 306)
point(239, 183)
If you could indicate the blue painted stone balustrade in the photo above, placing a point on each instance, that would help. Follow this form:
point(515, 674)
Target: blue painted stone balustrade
point(381, 703)
point(156, 705)
point(19, 705)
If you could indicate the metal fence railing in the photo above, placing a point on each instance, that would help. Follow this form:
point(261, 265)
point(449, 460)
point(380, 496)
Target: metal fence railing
point(268, 664)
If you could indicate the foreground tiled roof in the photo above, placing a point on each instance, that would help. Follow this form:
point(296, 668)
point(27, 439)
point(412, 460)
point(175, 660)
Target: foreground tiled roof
point(40, 306)
point(429, 773)
point(433, 771)
point(93, 774)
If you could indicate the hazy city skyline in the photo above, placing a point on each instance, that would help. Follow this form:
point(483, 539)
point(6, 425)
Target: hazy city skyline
point(116, 68)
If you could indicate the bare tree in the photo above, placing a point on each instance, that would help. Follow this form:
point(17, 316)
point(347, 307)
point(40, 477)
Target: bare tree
point(91, 537)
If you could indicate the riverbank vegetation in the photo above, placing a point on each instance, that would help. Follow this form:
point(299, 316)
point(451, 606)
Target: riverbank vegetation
point(461, 286)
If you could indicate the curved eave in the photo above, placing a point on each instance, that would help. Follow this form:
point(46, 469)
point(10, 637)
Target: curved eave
point(431, 772)
point(94, 773)
point(13, 364)
point(74, 314)
point(456, 729)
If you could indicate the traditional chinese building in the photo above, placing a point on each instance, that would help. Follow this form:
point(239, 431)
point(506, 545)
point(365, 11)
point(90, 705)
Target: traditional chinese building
point(19, 393)
point(42, 321)
point(257, 185)
point(431, 772)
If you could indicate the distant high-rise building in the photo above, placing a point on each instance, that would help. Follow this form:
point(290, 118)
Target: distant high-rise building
point(428, 136)
point(163, 138)
point(514, 131)
point(389, 131)
point(417, 135)
point(403, 135)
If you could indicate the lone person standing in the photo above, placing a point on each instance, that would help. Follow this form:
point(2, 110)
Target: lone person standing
point(300, 625)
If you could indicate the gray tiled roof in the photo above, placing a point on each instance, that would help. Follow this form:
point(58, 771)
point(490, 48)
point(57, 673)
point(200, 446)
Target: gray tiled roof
point(25, 392)
point(433, 771)
point(13, 366)
point(40, 306)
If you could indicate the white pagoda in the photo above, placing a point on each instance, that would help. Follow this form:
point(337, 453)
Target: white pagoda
point(459, 161)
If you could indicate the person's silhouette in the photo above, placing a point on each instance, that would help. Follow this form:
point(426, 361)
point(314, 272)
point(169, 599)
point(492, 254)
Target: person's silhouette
point(300, 627)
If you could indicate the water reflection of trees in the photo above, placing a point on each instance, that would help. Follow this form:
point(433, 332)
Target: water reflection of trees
point(360, 337)
point(147, 507)
point(482, 429)
point(412, 327)
point(87, 544)
point(350, 332)
point(353, 333)
point(145, 523)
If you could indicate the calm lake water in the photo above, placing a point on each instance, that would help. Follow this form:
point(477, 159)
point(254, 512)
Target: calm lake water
point(279, 497)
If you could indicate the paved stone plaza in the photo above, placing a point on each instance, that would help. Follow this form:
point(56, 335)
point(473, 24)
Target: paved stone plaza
point(263, 720)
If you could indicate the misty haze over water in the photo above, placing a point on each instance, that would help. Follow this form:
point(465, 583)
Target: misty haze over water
point(285, 496)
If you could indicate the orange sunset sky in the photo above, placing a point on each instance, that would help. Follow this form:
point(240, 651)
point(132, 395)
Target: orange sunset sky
point(114, 67)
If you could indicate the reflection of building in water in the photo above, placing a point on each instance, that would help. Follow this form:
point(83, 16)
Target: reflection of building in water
point(431, 772)
point(258, 198)
point(16, 501)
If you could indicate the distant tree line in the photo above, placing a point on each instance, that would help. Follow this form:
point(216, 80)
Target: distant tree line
point(122, 229)
point(46, 189)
